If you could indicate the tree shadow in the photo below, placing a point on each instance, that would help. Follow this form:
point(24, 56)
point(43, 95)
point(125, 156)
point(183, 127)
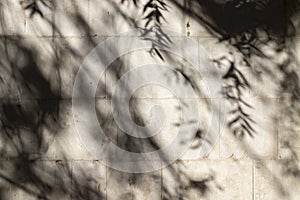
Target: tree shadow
point(33, 115)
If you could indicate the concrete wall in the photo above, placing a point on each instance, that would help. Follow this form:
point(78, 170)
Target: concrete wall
point(43, 157)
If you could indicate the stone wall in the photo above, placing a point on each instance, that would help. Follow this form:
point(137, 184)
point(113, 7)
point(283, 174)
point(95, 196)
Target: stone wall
point(43, 46)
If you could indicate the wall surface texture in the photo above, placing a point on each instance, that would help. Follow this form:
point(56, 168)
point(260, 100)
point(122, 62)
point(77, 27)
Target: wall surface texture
point(244, 120)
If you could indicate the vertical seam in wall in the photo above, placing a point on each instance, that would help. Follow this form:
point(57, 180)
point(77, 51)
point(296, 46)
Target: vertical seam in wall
point(88, 15)
point(106, 170)
point(25, 21)
point(71, 179)
point(132, 189)
point(53, 20)
point(105, 83)
point(253, 180)
point(161, 183)
point(219, 135)
point(277, 136)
